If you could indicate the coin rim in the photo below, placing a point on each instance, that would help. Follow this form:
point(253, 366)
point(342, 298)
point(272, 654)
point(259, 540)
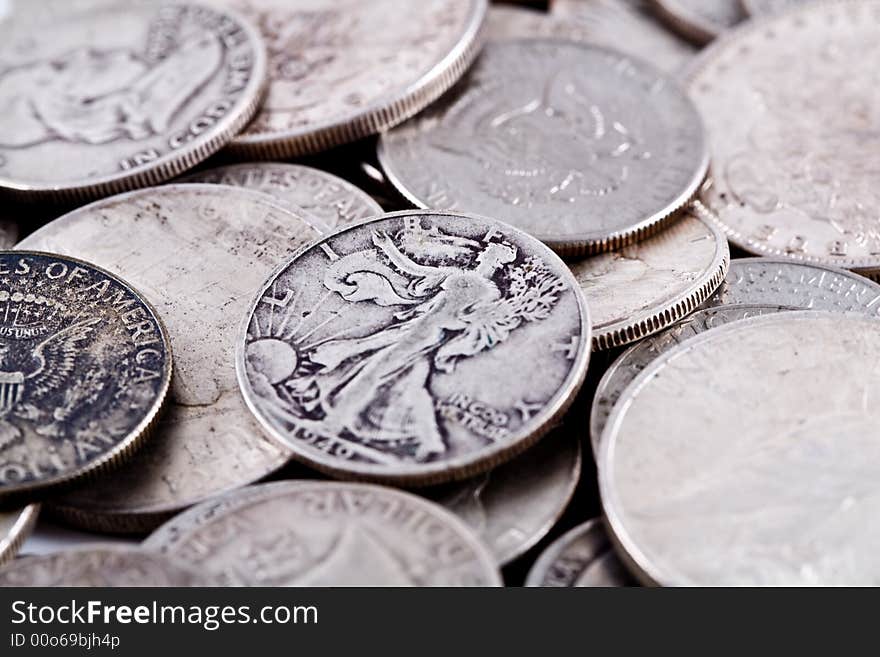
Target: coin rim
point(587, 243)
point(20, 530)
point(548, 557)
point(173, 163)
point(125, 448)
point(165, 538)
point(383, 113)
point(439, 471)
point(685, 24)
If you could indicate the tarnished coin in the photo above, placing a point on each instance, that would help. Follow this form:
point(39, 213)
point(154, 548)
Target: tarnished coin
point(198, 252)
point(344, 69)
point(635, 359)
point(327, 199)
point(642, 288)
point(406, 348)
point(627, 25)
point(100, 565)
point(767, 7)
point(299, 533)
point(552, 137)
point(15, 525)
point(506, 22)
point(700, 20)
point(113, 96)
point(749, 455)
point(796, 285)
point(791, 111)
point(85, 367)
point(513, 507)
point(583, 557)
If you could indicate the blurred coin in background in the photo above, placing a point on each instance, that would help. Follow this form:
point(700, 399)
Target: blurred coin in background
point(700, 20)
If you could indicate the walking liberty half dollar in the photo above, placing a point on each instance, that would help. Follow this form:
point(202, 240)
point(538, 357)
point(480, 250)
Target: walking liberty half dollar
point(792, 111)
point(198, 252)
point(551, 136)
point(85, 367)
point(769, 475)
point(341, 70)
point(121, 95)
point(299, 533)
point(418, 347)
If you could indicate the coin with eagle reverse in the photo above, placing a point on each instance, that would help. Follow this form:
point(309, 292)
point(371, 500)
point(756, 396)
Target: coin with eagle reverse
point(85, 366)
point(416, 348)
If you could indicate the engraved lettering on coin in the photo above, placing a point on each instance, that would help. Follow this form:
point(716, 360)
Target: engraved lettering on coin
point(15, 525)
point(791, 111)
point(630, 26)
point(327, 534)
point(85, 366)
point(768, 476)
point(642, 288)
point(582, 557)
point(198, 252)
point(344, 69)
point(552, 137)
point(101, 565)
point(329, 200)
point(700, 20)
point(405, 348)
point(513, 507)
point(117, 96)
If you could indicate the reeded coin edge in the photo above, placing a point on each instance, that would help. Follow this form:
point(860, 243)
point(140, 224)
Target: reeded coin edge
point(622, 333)
point(21, 529)
point(438, 472)
point(169, 165)
point(692, 28)
point(166, 537)
point(122, 452)
point(635, 559)
point(382, 114)
point(548, 557)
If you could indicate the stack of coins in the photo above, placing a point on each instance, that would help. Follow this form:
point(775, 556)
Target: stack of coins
point(438, 293)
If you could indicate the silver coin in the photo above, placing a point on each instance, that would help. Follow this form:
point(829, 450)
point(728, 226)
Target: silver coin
point(345, 69)
point(100, 565)
point(198, 252)
point(582, 557)
point(768, 7)
point(327, 199)
point(635, 359)
point(9, 234)
point(15, 526)
point(405, 348)
point(791, 110)
point(121, 95)
point(640, 289)
point(85, 367)
point(48, 536)
point(513, 507)
point(551, 137)
point(630, 26)
point(300, 533)
point(749, 455)
point(505, 23)
point(700, 20)
point(782, 282)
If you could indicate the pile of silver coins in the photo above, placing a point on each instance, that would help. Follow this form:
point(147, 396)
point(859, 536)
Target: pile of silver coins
point(439, 293)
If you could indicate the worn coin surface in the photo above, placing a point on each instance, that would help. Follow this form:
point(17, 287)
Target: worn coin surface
point(551, 136)
point(100, 565)
point(15, 525)
point(405, 348)
point(635, 359)
point(627, 25)
point(767, 7)
point(345, 69)
point(513, 507)
point(198, 252)
point(782, 282)
point(700, 20)
point(582, 557)
point(85, 367)
point(506, 22)
point(298, 533)
point(789, 165)
point(642, 288)
point(121, 95)
point(749, 455)
point(328, 200)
